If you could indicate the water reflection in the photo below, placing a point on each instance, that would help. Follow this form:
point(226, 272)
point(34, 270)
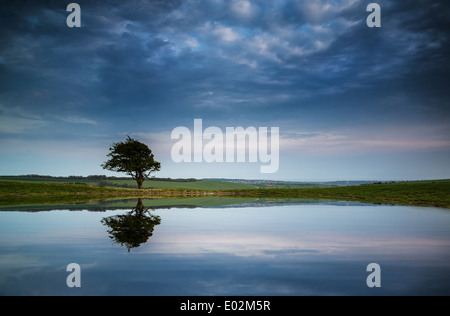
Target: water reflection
point(251, 250)
point(132, 229)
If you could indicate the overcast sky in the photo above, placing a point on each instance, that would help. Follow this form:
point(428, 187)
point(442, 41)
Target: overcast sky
point(351, 102)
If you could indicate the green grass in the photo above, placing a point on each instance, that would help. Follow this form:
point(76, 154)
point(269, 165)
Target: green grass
point(16, 193)
point(292, 186)
point(195, 185)
point(131, 184)
point(36, 192)
point(162, 184)
point(425, 193)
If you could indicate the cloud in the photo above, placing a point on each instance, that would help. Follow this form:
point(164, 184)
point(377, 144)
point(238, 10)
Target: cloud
point(74, 119)
point(16, 120)
point(152, 51)
point(19, 125)
point(149, 66)
point(393, 140)
point(244, 9)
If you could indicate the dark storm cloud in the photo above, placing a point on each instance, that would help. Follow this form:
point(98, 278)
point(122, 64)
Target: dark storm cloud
point(310, 67)
point(145, 66)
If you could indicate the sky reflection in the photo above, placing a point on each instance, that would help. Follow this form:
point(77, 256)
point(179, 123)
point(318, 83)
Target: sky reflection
point(280, 250)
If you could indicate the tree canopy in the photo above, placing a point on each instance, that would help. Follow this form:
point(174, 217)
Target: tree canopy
point(134, 158)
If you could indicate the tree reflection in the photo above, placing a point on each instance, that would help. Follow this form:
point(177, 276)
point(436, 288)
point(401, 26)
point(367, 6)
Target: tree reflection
point(132, 229)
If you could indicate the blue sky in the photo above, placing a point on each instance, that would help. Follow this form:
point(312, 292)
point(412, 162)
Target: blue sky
point(351, 102)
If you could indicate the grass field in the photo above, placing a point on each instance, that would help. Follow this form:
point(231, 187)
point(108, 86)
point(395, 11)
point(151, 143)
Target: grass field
point(425, 193)
point(17, 193)
point(195, 185)
point(192, 184)
point(131, 184)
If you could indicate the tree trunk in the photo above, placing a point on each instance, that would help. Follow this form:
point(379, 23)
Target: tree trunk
point(140, 180)
point(140, 208)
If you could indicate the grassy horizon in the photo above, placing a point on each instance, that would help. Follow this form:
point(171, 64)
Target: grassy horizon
point(418, 193)
point(157, 183)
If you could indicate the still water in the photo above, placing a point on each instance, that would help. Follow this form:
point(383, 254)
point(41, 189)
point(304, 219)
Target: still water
point(249, 249)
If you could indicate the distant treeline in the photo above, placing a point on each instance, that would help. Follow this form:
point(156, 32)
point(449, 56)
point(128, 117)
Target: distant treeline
point(95, 178)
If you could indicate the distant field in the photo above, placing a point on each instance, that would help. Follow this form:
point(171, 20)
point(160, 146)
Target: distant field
point(19, 193)
point(131, 184)
point(419, 193)
point(15, 192)
point(424, 193)
point(292, 186)
point(158, 184)
point(195, 185)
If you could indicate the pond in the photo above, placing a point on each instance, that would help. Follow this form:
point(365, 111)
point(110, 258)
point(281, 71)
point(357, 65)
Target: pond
point(246, 248)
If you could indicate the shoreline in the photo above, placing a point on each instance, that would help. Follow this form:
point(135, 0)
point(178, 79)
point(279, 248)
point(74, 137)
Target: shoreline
point(434, 194)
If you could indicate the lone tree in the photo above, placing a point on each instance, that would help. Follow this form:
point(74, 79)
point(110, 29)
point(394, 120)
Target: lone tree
point(133, 158)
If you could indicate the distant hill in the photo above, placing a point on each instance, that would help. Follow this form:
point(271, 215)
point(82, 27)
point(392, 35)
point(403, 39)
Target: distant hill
point(124, 182)
point(191, 183)
point(293, 184)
